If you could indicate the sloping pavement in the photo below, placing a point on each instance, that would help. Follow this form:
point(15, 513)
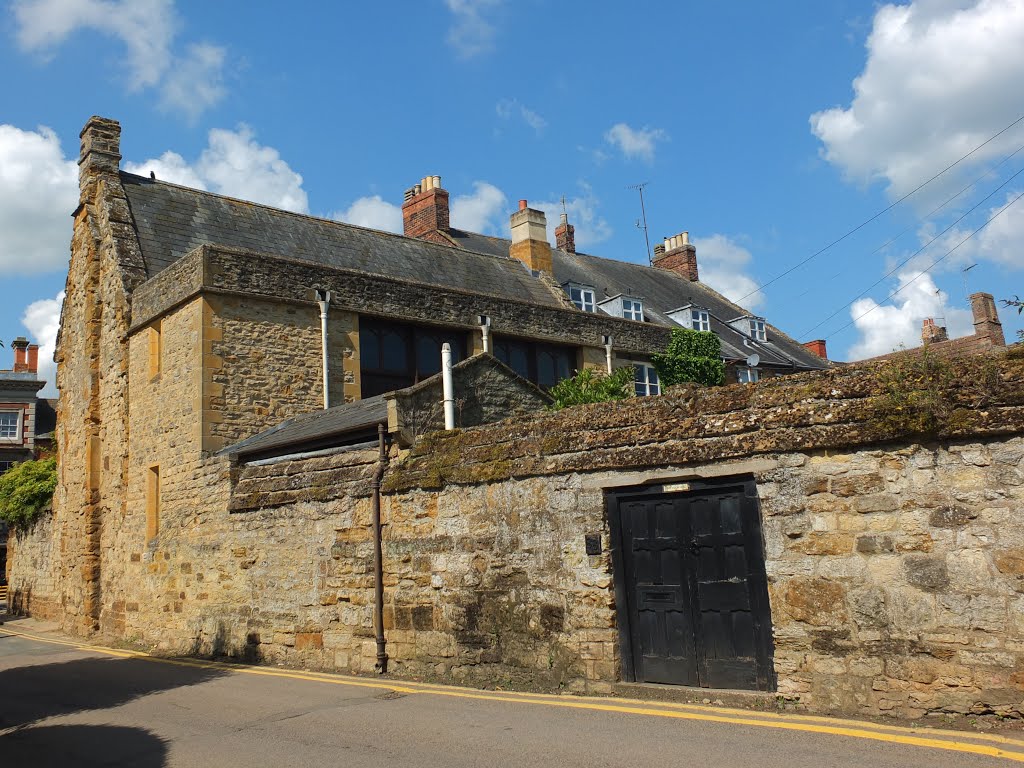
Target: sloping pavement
point(64, 702)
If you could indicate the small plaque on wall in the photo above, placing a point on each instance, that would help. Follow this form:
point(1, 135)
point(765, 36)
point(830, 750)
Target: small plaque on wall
point(593, 542)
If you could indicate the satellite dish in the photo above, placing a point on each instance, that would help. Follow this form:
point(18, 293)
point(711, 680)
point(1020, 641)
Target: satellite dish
point(753, 360)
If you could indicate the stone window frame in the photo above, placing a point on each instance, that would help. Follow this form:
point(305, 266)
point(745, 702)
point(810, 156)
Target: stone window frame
point(18, 437)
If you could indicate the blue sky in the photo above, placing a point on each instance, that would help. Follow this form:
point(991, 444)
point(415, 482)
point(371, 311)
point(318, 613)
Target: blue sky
point(766, 130)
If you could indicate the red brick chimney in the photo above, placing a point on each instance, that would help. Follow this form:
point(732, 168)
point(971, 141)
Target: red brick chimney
point(986, 319)
point(565, 235)
point(931, 333)
point(33, 358)
point(20, 346)
point(678, 255)
point(425, 211)
point(817, 347)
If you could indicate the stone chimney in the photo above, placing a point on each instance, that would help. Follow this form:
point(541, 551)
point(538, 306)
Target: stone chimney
point(100, 151)
point(20, 347)
point(986, 319)
point(931, 333)
point(425, 211)
point(677, 254)
point(565, 235)
point(817, 347)
point(530, 238)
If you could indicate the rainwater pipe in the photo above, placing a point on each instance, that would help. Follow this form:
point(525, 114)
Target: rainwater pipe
point(323, 298)
point(485, 331)
point(607, 341)
point(381, 667)
point(447, 387)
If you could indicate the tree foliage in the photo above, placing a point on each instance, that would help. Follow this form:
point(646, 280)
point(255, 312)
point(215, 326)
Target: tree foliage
point(589, 386)
point(1019, 304)
point(691, 356)
point(26, 490)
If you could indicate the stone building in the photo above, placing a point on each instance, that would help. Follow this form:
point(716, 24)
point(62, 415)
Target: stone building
point(853, 557)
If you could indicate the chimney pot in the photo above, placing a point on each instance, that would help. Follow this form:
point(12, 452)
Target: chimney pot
point(425, 212)
point(817, 347)
point(522, 205)
point(678, 255)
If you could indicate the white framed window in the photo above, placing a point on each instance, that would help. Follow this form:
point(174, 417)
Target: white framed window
point(700, 319)
point(633, 309)
point(10, 426)
point(582, 297)
point(645, 380)
point(5, 465)
point(757, 329)
point(748, 375)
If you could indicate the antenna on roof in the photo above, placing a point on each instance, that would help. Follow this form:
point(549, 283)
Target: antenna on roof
point(964, 272)
point(642, 223)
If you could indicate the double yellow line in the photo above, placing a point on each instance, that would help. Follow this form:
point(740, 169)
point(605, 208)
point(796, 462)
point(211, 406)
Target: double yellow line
point(989, 745)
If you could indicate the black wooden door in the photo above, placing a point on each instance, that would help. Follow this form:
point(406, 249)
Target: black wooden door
point(692, 576)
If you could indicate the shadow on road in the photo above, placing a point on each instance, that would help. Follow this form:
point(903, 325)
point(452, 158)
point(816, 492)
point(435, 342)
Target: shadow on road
point(35, 692)
point(82, 746)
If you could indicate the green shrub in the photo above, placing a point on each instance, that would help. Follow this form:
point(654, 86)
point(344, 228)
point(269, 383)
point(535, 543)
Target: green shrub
point(589, 386)
point(26, 490)
point(691, 356)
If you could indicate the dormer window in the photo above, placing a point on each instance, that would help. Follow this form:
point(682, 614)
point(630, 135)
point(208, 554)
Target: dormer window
point(633, 309)
point(700, 319)
point(582, 296)
point(757, 332)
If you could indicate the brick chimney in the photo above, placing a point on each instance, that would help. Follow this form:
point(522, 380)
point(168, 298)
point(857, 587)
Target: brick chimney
point(425, 211)
point(817, 347)
point(530, 238)
point(33, 358)
point(678, 255)
point(986, 319)
point(565, 235)
point(20, 347)
point(931, 333)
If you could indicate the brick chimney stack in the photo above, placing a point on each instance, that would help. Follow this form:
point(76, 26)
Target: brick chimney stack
point(677, 254)
point(817, 347)
point(530, 238)
point(565, 235)
point(100, 151)
point(425, 211)
point(33, 358)
point(986, 319)
point(20, 347)
point(931, 333)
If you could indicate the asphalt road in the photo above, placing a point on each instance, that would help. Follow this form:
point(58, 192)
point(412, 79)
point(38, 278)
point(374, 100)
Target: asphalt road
point(62, 704)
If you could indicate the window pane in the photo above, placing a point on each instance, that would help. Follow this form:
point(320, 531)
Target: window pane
point(545, 369)
point(369, 348)
point(9, 425)
point(395, 354)
point(428, 356)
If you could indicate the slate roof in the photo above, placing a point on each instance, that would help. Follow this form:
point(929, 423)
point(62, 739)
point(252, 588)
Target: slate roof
point(332, 427)
point(172, 221)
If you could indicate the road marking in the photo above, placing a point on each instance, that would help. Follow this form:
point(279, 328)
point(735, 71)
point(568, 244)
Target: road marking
point(805, 723)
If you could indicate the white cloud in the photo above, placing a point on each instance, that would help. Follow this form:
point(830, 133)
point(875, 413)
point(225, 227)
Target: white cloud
point(635, 142)
point(721, 262)
point(42, 319)
point(38, 192)
point(1003, 239)
point(483, 211)
point(888, 327)
point(195, 82)
point(934, 87)
point(590, 226)
point(147, 28)
point(373, 212)
point(234, 164)
point(471, 33)
point(509, 108)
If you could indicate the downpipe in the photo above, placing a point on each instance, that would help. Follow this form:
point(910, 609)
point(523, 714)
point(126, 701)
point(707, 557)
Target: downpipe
point(381, 667)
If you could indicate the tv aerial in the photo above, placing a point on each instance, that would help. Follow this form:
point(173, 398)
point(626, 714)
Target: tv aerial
point(642, 222)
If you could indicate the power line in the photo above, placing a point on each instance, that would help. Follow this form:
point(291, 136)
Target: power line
point(987, 172)
point(907, 260)
point(880, 213)
point(930, 266)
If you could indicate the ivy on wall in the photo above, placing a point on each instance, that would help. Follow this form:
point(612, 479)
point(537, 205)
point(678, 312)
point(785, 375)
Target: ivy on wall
point(26, 489)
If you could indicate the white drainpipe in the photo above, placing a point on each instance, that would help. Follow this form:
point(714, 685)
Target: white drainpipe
point(608, 352)
point(323, 298)
point(447, 386)
point(485, 331)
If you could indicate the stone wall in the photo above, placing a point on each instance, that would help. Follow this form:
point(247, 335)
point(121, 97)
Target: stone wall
point(893, 537)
